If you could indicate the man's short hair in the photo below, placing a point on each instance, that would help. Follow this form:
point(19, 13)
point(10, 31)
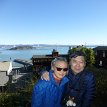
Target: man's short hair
point(58, 59)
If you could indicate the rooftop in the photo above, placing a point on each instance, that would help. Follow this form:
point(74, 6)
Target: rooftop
point(4, 66)
point(101, 48)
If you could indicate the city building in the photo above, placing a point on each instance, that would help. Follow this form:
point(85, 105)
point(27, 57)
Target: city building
point(5, 70)
point(43, 62)
point(101, 56)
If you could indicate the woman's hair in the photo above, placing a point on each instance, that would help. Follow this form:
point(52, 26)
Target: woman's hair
point(77, 53)
point(58, 59)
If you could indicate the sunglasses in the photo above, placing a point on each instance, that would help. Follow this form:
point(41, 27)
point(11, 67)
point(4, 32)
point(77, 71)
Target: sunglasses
point(60, 69)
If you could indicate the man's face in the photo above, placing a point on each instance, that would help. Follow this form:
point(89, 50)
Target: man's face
point(77, 64)
point(60, 69)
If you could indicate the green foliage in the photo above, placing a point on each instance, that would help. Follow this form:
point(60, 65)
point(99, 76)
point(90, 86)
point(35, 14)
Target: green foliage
point(90, 55)
point(10, 100)
point(21, 98)
point(101, 86)
point(100, 78)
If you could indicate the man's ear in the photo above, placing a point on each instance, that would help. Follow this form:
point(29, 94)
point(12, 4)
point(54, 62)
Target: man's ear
point(85, 64)
point(52, 67)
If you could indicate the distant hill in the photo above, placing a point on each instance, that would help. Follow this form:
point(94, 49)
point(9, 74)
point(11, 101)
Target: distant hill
point(22, 47)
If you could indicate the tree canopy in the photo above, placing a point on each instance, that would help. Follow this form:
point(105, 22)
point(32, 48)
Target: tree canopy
point(90, 55)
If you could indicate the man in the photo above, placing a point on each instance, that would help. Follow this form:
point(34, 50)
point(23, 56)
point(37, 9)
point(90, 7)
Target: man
point(49, 93)
point(81, 85)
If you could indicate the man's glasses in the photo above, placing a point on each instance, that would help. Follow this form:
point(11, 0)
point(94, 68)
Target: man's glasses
point(60, 69)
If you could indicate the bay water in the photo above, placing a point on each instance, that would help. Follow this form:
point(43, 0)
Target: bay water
point(10, 55)
point(7, 55)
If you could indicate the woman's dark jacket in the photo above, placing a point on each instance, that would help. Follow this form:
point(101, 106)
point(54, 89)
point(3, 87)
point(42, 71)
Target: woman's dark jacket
point(82, 87)
point(48, 93)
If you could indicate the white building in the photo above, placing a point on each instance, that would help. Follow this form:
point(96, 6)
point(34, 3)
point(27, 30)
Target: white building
point(5, 69)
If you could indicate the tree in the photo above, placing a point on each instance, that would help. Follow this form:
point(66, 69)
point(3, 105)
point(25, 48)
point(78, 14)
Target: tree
point(90, 55)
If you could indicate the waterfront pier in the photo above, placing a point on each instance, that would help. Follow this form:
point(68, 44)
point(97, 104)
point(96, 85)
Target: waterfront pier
point(24, 62)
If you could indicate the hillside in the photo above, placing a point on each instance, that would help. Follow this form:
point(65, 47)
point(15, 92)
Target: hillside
point(22, 47)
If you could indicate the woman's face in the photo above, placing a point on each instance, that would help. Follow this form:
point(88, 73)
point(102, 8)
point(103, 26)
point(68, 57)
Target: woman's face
point(60, 69)
point(77, 64)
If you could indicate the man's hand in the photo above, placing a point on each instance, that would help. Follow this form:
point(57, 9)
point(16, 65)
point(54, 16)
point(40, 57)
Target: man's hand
point(45, 75)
